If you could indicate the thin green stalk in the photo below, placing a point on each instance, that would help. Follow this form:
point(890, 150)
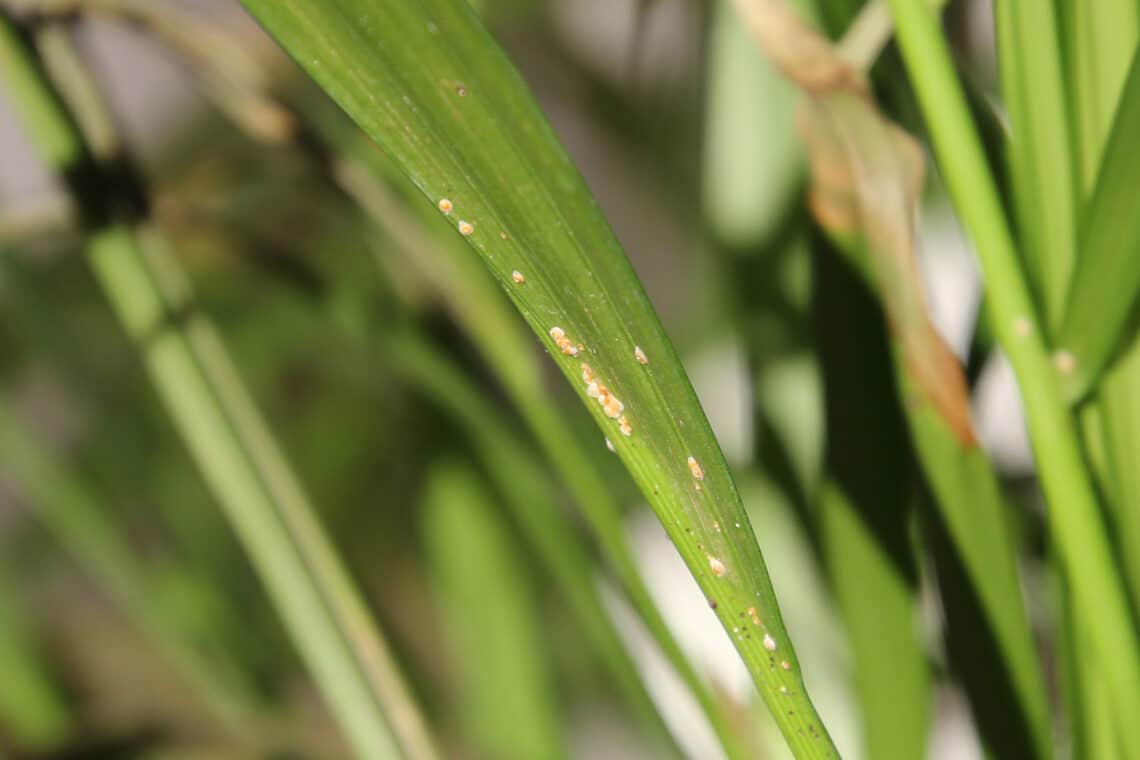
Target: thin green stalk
point(1091, 731)
point(220, 425)
point(300, 518)
point(1082, 543)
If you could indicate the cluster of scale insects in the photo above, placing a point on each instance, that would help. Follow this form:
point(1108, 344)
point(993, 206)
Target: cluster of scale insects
point(614, 409)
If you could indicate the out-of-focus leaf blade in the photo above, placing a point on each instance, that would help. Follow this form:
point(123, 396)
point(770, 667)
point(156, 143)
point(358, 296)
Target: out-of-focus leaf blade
point(968, 495)
point(752, 161)
point(1090, 715)
point(879, 613)
point(1097, 40)
point(1040, 147)
point(428, 83)
point(489, 617)
point(1105, 284)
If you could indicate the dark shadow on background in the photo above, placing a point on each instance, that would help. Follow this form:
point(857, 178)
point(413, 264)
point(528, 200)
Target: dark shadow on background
point(868, 448)
point(972, 650)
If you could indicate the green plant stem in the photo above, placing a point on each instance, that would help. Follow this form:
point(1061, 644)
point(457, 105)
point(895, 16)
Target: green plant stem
point(1074, 518)
point(220, 426)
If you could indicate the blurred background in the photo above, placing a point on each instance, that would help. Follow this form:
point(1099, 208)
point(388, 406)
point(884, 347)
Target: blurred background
point(131, 624)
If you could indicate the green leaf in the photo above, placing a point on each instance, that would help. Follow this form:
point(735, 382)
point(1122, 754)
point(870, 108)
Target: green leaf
point(429, 84)
point(1098, 39)
point(1106, 282)
point(1040, 146)
point(426, 242)
point(490, 619)
point(879, 613)
point(968, 495)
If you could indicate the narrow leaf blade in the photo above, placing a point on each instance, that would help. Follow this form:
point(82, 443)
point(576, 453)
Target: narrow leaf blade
point(1107, 276)
point(1040, 151)
point(428, 83)
point(489, 613)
